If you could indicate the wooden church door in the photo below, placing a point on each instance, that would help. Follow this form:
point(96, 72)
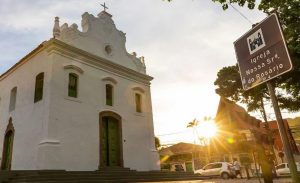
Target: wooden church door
point(110, 142)
point(7, 151)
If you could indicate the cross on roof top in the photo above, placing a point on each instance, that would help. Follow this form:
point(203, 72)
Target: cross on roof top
point(105, 7)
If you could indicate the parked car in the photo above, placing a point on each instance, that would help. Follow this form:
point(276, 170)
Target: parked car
point(283, 169)
point(222, 169)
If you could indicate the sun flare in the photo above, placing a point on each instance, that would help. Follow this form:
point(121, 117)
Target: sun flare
point(207, 129)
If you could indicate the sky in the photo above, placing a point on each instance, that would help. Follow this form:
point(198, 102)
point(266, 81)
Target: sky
point(185, 43)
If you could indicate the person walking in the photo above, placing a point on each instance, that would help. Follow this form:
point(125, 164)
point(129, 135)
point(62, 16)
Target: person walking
point(237, 168)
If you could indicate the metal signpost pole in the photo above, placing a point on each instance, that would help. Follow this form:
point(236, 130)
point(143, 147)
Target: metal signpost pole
point(283, 133)
point(262, 55)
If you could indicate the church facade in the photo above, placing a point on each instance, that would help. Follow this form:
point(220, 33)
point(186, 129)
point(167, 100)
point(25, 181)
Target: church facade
point(78, 101)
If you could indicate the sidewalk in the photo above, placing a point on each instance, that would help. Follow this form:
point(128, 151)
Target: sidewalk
point(281, 180)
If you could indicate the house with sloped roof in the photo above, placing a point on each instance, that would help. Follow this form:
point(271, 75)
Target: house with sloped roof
point(189, 156)
point(278, 145)
point(240, 135)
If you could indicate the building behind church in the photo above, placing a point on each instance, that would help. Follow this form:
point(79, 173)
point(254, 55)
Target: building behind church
point(78, 101)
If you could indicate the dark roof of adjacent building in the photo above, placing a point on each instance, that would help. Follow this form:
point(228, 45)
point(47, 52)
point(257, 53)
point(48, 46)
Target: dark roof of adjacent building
point(233, 116)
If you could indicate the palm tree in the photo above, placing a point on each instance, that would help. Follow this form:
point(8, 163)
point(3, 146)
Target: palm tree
point(193, 124)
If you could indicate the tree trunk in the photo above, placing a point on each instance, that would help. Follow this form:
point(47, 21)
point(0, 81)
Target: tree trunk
point(262, 110)
point(265, 165)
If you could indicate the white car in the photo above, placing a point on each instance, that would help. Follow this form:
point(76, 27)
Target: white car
point(283, 169)
point(222, 169)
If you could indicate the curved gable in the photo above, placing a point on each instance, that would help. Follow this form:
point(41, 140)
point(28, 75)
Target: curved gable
point(100, 37)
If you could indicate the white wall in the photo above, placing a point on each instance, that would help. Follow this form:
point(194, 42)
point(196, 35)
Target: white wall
point(28, 117)
point(74, 123)
point(60, 132)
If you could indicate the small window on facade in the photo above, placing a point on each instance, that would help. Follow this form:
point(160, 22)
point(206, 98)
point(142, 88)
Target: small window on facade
point(108, 49)
point(13, 99)
point(138, 102)
point(109, 94)
point(73, 82)
point(39, 84)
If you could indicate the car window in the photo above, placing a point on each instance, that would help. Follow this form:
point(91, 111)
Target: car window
point(217, 165)
point(209, 166)
point(280, 166)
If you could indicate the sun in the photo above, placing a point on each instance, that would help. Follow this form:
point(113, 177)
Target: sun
point(207, 129)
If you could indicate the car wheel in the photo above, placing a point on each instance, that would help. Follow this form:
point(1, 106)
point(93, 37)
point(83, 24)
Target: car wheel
point(225, 175)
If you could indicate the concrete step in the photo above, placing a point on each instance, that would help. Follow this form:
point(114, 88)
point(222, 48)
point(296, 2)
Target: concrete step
point(117, 175)
point(74, 178)
point(119, 180)
point(108, 174)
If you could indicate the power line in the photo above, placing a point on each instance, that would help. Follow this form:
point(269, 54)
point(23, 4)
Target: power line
point(171, 133)
point(241, 14)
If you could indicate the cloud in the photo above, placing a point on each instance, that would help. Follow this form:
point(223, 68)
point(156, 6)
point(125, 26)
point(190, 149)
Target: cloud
point(185, 43)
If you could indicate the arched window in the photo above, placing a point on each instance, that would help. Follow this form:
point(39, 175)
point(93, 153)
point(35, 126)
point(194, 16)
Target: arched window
point(13, 99)
point(109, 94)
point(138, 102)
point(8, 146)
point(39, 85)
point(73, 85)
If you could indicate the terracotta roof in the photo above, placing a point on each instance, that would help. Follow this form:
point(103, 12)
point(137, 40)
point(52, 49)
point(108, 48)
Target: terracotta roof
point(273, 124)
point(277, 138)
point(180, 148)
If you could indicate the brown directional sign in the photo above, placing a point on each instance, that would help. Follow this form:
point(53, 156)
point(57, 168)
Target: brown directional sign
point(262, 53)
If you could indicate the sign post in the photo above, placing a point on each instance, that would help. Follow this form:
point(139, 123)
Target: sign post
point(283, 134)
point(262, 55)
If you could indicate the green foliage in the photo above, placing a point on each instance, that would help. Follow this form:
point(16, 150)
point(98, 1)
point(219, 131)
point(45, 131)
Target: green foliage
point(288, 12)
point(230, 86)
point(165, 166)
point(157, 143)
point(225, 3)
point(192, 124)
point(229, 83)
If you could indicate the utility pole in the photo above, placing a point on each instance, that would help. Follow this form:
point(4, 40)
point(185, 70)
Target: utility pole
point(283, 134)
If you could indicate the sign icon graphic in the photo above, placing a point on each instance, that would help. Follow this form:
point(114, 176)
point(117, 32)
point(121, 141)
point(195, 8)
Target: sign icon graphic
point(256, 41)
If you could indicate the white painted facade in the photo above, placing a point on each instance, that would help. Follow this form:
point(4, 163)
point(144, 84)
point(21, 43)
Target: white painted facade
point(61, 132)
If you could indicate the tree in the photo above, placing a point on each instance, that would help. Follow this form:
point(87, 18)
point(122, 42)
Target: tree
point(192, 124)
point(157, 143)
point(288, 12)
point(229, 86)
point(281, 155)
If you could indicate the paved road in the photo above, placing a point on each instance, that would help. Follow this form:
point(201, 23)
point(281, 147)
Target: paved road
point(281, 180)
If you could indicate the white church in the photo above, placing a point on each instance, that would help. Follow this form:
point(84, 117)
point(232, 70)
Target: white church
point(78, 101)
